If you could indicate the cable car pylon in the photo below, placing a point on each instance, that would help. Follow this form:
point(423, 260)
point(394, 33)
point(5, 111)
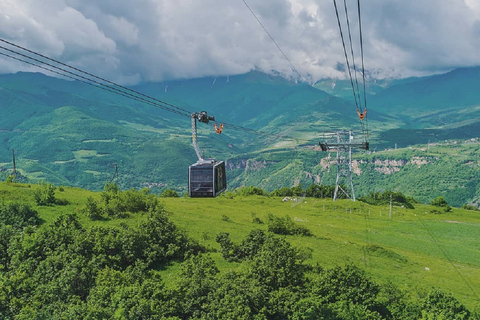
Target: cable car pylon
point(206, 177)
point(343, 142)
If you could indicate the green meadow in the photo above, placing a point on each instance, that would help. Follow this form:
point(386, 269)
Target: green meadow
point(414, 249)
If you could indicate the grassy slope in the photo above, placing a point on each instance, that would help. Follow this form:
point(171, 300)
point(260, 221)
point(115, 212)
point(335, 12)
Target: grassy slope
point(401, 248)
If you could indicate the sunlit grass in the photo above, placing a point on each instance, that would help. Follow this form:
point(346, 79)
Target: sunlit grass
point(414, 249)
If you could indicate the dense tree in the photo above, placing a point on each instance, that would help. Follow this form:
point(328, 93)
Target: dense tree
point(439, 305)
point(18, 215)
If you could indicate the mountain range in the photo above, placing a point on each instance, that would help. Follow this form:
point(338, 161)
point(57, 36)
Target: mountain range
point(69, 133)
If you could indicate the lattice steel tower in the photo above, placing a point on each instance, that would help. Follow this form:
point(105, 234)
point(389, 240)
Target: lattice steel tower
point(343, 142)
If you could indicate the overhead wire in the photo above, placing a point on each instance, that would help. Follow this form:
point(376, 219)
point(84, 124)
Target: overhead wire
point(275, 42)
point(345, 53)
point(363, 67)
point(85, 80)
point(449, 259)
point(104, 84)
point(355, 89)
point(94, 76)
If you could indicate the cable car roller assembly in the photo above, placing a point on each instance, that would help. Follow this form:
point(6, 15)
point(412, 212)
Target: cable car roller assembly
point(206, 177)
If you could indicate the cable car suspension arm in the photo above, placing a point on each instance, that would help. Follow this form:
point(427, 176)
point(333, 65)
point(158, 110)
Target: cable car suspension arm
point(202, 117)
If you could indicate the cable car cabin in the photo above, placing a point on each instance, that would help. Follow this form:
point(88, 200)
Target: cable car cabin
point(206, 179)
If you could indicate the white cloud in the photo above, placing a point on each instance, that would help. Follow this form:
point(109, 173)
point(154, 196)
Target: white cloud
point(132, 41)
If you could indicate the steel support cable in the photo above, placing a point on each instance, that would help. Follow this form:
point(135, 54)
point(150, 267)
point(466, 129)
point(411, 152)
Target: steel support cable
point(85, 80)
point(345, 52)
point(352, 53)
point(94, 76)
point(363, 66)
point(273, 40)
point(97, 84)
point(361, 50)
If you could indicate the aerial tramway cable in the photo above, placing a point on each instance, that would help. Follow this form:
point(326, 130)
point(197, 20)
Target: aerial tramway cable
point(274, 42)
point(361, 110)
point(91, 75)
point(101, 83)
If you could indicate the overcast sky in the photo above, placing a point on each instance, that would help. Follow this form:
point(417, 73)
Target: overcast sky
point(154, 40)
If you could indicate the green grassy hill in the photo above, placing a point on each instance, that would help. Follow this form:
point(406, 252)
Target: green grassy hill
point(414, 249)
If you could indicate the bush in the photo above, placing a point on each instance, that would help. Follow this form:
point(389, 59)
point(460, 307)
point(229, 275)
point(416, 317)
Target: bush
point(10, 179)
point(250, 191)
point(228, 194)
point(285, 226)
point(439, 202)
point(45, 194)
point(226, 218)
point(168, 193)
point(397, 198)
point(119, 204)
point(440, 305)
point(282, 192)
point(92, 209)
point(320, 191)
point(18, 215)
point(470, 207)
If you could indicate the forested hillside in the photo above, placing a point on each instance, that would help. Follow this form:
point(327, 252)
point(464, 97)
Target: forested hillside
point(73, 254)
point(68, 133)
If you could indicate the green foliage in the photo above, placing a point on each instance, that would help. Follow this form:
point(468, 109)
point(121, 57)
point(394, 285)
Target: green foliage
point(169, 193)
point(10, 179)
point(383, 198)
point(45, 194)
point(197, 282)
point(348, 290)
point(135, 293)
point(247, 250)
point(119, 204)
point(226, 218)
point(92, 209)
point(439, 305)
point(228, 194)
point(439, 202)
point(18, 215)
point(250, 191)
point(124, 270)
point(320, 191)
point(65, 269)
point(277, 264)
point(313, 191)
point(282, 192)
point(470, 207)
point(286, 226)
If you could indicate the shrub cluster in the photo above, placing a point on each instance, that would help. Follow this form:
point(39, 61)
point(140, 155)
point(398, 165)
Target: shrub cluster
point(383, 198)
point(285, 226)
point(440, 202)
point(470, 207)
point(312, 191)
point(66, 271)
point(18, 215)
point(119, 204)
point(45, 194)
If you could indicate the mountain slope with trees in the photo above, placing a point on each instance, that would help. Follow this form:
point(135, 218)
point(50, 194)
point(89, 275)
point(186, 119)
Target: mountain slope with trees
point(181, 258)
point(69, 133)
